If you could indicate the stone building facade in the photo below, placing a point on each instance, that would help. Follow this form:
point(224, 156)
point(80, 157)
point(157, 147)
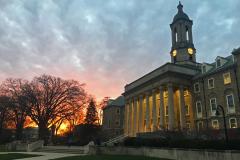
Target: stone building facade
point(184, 94)
point(113, 118)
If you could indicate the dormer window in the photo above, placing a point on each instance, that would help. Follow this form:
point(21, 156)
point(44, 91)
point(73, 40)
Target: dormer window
point(218, 63)
point(204, 70)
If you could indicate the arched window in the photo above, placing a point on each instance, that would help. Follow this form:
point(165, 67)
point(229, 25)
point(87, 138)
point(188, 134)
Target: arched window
point(187, 34)
point(176, 35)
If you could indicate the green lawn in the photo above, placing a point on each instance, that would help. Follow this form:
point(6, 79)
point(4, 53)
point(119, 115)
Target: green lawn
point(108, 157)
point(10, 156)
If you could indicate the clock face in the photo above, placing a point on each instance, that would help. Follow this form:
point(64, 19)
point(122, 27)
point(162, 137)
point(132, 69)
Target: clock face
point(174, 53)
point(190, 50)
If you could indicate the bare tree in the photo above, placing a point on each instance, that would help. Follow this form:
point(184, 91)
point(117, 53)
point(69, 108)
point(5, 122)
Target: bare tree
point(52, 99)
point(4, 105)
point(18, 107)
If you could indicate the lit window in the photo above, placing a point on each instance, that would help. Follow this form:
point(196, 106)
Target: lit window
point(166, 111)
point(196, 87)
point(233, 123)
point(227, 78)
point(210, 83)
point(165, 94)
point(230, 103)
point(213, 105)
point(186, 93)
point(199, 109)
point(187, 109)
point(200, 125)
point(215, 124)
point(218, 63)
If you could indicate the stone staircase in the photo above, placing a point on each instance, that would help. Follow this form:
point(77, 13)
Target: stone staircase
point(65, 149)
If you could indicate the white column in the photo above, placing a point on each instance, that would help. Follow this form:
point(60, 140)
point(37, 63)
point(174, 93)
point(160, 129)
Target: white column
point(135, 117)
point(182, 108)
point(140, 115)
point(154, 109)
point(162, 114)
point(171, 116)
point(147, 116)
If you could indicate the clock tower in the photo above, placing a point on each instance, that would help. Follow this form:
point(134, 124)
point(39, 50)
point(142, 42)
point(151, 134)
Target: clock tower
point(183, 51)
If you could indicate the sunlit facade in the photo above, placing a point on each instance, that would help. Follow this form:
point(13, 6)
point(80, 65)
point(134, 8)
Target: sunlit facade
point(183, 95)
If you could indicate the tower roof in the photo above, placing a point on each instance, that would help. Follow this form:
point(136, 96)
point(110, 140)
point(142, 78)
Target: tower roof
point(180, 14)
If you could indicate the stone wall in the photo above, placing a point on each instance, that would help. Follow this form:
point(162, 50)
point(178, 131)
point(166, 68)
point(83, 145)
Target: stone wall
point(176, 154)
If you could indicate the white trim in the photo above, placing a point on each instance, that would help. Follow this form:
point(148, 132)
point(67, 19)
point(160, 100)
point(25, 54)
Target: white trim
point(210, 87)
point(197, 83)
point(199, 115)
point(233, 108)
point(230, 122)
point(213, 114)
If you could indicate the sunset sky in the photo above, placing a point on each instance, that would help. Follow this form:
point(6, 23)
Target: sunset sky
point(106, 43)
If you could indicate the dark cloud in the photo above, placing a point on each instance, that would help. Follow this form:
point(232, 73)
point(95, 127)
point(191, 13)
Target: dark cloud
point(106, 43)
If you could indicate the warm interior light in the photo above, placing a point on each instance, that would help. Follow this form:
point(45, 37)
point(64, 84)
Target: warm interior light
point(174, 53)
point(190, 50)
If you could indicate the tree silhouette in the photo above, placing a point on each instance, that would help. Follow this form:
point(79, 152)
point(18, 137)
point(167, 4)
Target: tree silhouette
point(91, 114)
point(52, 99)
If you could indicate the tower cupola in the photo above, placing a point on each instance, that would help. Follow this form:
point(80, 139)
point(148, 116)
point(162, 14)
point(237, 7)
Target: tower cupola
point(182, 41)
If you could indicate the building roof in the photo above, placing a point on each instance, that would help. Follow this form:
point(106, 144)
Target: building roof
point(229, 63)
point(166, 68)
point(119, 102)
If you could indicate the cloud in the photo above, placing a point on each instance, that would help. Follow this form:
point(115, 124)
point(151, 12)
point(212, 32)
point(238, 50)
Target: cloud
point(106, 44)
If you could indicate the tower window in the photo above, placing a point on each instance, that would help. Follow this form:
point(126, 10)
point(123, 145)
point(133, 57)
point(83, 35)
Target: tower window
point(176, 35)
point(187, 34)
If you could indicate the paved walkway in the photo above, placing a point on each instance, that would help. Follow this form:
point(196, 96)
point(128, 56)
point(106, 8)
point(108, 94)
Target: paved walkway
point(45, 156)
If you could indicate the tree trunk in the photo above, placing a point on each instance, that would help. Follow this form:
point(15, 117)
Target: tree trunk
point(43, 133)
point(19, 131)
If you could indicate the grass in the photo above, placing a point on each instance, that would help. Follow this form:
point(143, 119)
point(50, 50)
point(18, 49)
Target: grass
point(10, 156)
point(109, 157)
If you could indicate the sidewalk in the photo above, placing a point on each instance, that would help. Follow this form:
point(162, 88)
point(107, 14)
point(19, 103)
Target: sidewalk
point(45, 156)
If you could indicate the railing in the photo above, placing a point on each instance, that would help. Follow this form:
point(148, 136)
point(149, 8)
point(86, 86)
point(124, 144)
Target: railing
point(113, 140)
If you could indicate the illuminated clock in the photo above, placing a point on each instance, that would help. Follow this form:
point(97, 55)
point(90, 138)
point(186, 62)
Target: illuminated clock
point(174, 53)
point(190, 50)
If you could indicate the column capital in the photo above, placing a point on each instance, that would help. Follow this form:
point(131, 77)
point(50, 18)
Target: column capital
point(161, 88)
point(154, 90)
point(181, 87)
point(170, 85)
point(148, 92)
point(140, 96)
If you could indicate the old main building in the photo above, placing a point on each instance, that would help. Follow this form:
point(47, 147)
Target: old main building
point(184, 94)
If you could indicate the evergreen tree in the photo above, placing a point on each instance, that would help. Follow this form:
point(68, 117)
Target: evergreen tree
point(91, 115)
